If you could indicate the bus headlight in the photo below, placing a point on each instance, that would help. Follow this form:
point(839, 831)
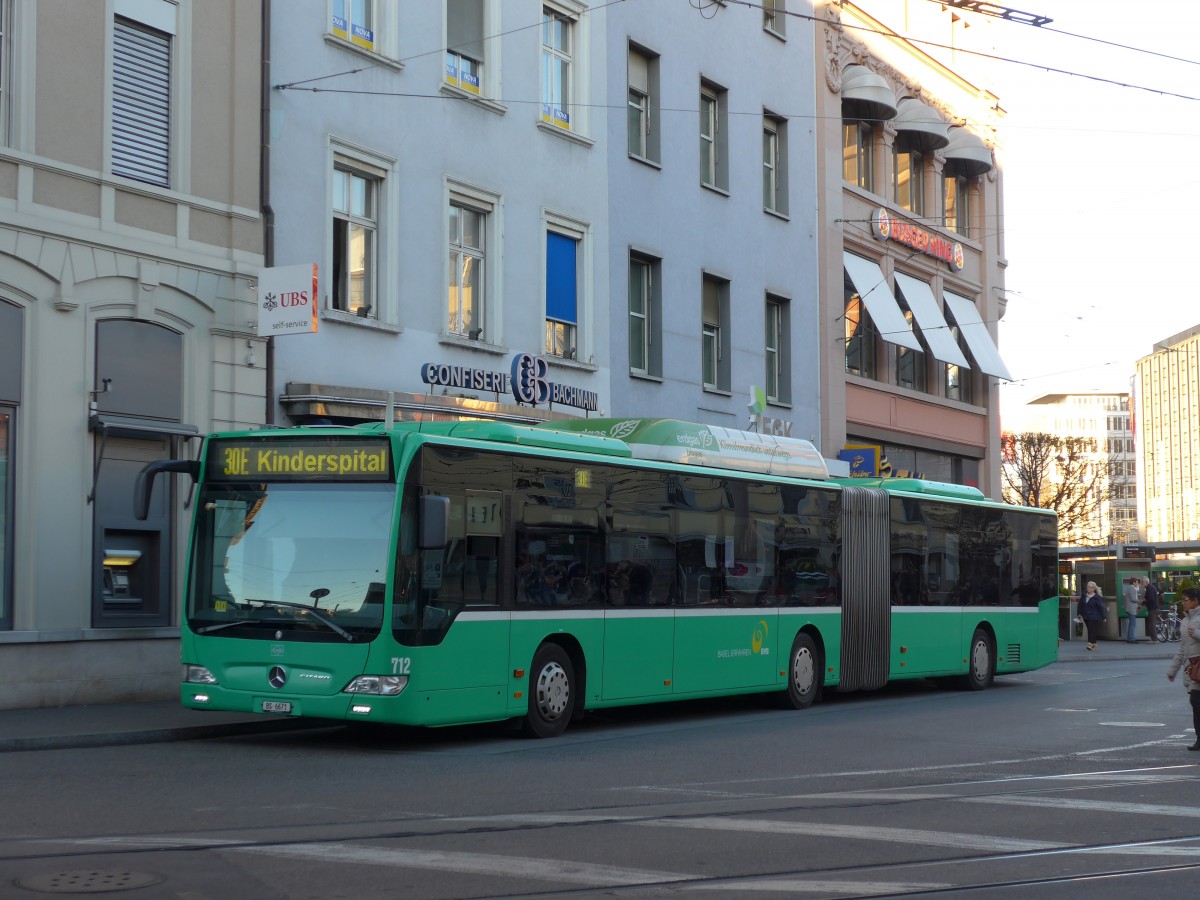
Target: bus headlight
point(197, 675)
point(384, 685)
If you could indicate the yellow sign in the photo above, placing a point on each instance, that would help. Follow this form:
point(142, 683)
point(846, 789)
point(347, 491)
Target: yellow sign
point(335, 459)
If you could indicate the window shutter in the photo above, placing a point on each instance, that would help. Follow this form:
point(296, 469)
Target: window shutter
point(464, 27)
point(141, 105)
point(639, 73)
point(560, 278)
point(711, 303)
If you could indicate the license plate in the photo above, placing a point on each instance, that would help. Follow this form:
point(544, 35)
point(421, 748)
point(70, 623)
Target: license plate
point(276, 706)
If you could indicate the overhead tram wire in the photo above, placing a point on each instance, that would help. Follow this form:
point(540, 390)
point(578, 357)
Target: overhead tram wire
point(292, 85)
point(991, 56)
point(296, 85)
point(1040, 22)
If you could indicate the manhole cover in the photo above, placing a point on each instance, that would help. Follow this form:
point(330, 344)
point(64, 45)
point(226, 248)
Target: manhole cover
point(89, 881)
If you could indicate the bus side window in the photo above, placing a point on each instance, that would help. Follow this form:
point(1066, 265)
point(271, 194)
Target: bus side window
point(480, 569)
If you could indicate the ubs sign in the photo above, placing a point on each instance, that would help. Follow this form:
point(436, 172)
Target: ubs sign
point(526, 380)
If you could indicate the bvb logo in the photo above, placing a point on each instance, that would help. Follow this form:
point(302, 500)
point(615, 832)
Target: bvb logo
point(759, 637)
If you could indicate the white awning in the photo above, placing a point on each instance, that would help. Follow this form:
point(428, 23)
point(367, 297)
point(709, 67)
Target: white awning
point(979, 339)
point(966, 154)
point(924, 307)
point(865, 94)
point(872, 287)
point(922, 124)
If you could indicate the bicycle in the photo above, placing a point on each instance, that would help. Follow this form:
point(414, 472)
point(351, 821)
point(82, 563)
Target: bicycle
point(1167, 628)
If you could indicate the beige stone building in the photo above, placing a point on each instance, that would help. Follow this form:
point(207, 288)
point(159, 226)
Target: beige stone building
point(912, 262)
point(130, 238)
point(1166, 403)
point(1104, 419)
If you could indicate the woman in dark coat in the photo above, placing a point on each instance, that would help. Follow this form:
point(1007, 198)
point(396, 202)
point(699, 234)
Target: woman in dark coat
point(1091, 610)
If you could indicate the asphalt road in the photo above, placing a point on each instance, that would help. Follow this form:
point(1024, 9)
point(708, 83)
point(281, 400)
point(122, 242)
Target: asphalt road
point(1068, 782)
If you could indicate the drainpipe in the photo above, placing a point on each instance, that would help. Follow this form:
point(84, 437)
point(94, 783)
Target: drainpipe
point(264, 188)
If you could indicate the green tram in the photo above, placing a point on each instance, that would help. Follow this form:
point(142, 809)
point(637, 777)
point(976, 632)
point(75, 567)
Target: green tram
point(456, 572)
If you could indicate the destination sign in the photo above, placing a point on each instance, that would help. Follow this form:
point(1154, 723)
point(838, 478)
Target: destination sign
point(303, 459)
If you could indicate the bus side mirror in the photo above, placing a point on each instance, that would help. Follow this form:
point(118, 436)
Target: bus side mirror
point(144, 485)
point(435, 522)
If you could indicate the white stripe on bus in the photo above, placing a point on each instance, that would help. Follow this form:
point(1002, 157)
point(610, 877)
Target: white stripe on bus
point(478, 615)
point(966, 610)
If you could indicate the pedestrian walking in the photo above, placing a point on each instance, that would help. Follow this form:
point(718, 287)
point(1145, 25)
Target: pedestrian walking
point(1131, 602)
point(1153, 604)
point(1188, 653)
point(1091, 610)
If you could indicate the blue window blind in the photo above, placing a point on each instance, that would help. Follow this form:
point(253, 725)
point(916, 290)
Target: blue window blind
point(561, 285)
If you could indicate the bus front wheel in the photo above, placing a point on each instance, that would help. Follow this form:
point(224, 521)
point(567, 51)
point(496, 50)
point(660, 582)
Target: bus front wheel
point(981, 664)
point(804, 673)
point(551, 692)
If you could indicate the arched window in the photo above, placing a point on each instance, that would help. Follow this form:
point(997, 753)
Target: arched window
point(136, 419)
point(12, 332)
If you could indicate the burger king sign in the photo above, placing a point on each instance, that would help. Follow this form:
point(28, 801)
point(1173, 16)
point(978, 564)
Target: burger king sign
point(887, 227)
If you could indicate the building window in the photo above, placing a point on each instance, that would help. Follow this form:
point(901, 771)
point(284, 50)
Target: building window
point(645, 307)
point(861, 335)
point(958, 379)
point(562, 294)
point(910, 364)
point(908, 178)
point(643, 105)
point(12, 340)
point(558, 53)
point(144, 366)
point(715, 334)
point(465, 45)
point(7, 477)
point(958, 204)
point(6, 68)
point(775, 16)
point(857, 156)
point(777, 344)
point(467, 288)
point(356, 192)
point(141, 97)
point(714, 172)
point(355, 21)
point(775, 181)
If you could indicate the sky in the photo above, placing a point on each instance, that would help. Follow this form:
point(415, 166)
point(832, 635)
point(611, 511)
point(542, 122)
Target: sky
point(1099, 183)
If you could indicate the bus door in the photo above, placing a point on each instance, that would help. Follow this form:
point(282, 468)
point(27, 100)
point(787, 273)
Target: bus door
point(458, 604)
point(725, 634)
point(639, 630)
point(639, 618)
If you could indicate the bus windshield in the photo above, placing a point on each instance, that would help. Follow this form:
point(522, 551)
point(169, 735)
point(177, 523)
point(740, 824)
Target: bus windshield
point(291, 561)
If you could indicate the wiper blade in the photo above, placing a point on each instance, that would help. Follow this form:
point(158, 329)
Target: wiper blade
point(209, 629)
point(316, 614)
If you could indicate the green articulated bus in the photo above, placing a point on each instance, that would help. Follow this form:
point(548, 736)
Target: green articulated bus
point(455, 572)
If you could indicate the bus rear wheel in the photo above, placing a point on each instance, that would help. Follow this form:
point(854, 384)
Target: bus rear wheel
point(551, 692)
point(804, 674)
point(981, 663)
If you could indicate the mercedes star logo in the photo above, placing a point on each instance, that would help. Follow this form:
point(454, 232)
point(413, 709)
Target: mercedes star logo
point(277, 677)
